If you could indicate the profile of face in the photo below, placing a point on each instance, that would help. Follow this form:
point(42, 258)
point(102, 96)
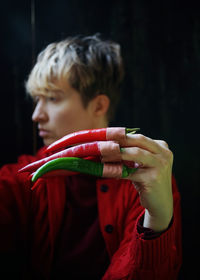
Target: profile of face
point(61, 112)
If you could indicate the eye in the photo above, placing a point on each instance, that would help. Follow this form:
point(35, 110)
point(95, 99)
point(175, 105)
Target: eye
point(52, 98)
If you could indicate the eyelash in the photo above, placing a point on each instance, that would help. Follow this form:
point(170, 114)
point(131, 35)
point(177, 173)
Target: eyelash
point(52, 99)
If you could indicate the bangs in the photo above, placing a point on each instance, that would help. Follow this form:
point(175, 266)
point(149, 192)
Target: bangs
point(51, 70)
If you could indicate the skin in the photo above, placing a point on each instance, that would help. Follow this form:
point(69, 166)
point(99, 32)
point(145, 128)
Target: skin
point(153, 179)
point(62, 112)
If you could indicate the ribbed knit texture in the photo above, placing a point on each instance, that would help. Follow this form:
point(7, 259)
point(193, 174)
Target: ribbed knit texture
point(131, 256)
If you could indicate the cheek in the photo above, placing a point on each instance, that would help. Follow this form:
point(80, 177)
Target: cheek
point(62, 117)
point(68, 118)
point(65, 120)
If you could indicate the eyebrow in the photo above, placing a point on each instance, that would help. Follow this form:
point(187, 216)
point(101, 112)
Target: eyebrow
point(55, 92)
point(47, 93)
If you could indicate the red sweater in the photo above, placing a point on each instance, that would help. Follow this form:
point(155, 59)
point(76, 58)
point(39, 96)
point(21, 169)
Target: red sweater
point(30, 222)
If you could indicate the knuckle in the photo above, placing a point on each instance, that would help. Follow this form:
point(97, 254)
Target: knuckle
point(140, 137)
point(164, 143)
point(136, 151)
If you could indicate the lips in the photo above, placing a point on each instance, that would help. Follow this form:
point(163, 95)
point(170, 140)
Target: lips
point(43, 133)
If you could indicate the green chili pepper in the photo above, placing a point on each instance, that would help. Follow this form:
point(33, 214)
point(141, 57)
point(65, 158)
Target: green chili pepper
point(78, 165)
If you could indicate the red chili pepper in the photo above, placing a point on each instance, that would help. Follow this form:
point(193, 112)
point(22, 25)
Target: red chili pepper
point(102, 134)
point(108, 149)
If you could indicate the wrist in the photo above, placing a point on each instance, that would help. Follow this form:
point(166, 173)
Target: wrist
point(157, 223)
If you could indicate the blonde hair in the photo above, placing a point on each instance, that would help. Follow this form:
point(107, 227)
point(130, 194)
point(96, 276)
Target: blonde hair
point(90, 65)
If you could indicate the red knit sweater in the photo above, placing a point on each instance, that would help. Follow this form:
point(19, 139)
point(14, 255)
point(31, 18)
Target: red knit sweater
point(30, 222)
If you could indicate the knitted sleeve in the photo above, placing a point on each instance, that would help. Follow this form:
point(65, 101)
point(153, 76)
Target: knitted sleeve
point(141, 258)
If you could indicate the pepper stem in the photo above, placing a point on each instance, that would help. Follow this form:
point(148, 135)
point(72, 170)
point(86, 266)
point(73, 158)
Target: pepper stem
point(132, 130)
point(126, 171)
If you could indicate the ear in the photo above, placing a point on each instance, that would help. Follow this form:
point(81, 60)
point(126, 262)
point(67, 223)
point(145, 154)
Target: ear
point(101, 104)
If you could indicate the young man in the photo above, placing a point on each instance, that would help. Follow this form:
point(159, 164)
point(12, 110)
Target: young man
point(86, 226)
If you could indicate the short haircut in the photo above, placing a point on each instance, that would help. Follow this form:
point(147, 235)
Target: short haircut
point(89, 64)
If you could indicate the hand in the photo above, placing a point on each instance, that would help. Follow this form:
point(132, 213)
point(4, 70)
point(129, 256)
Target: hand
point(153, 178)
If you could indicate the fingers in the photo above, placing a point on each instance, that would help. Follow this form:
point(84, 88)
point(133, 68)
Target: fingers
point(139, 177)
point(138, 155)
point(162, 143)
point(141, 141)
point(146, 151)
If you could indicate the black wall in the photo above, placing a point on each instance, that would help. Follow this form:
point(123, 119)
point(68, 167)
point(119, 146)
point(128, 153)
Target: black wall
point(161, 47)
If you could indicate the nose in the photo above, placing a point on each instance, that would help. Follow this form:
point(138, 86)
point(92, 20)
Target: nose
point(39, 113)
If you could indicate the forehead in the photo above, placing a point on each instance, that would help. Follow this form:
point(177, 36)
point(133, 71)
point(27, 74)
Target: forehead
point(58, 88)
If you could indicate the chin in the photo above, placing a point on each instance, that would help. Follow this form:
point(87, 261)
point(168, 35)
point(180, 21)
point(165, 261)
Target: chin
point(47, 142)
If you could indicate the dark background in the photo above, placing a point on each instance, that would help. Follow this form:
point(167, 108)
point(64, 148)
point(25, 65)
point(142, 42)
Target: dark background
point(161, 48)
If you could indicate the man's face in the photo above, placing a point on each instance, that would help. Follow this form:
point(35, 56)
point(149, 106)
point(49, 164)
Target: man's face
point(59, 113)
